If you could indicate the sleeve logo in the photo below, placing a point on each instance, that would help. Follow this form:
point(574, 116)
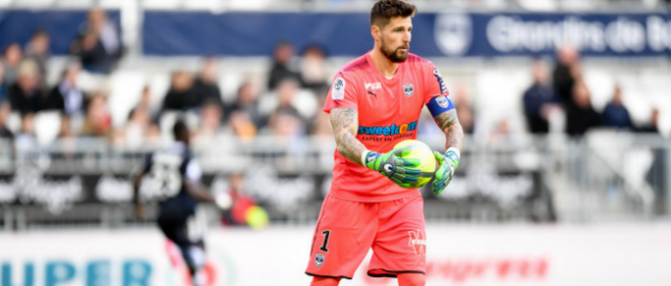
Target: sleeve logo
point(441, 83)
point(338, 91)
point(442, 101)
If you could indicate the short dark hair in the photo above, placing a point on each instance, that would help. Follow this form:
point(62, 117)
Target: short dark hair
point(384, 10)
point(180, 130)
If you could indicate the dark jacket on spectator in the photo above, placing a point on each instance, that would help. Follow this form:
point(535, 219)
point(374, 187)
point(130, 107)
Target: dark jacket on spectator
point(57, 100)
point(616, 116)
point(25, 103)
point(534, 99)
point(579, 120)
point(207, 92)
point(182, 100)
point(563, 82)
point(280, 72)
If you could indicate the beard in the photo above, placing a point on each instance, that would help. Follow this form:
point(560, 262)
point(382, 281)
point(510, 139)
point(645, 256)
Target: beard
point(396, 55)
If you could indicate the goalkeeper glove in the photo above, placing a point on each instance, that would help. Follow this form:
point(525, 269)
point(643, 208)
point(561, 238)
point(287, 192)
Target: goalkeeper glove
point(448, 163)
point(399, 170)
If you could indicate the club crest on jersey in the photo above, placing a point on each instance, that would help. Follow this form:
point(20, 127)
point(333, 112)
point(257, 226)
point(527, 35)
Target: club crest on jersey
point(409, 89)
point(319, 259)
point(338, 89)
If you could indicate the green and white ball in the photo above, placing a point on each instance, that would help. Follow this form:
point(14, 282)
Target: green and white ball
point(421, 152)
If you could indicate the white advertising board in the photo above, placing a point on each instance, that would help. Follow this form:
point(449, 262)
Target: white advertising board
point(457, 255)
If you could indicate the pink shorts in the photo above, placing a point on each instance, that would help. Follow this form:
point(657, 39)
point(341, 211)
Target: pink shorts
point(346, 230)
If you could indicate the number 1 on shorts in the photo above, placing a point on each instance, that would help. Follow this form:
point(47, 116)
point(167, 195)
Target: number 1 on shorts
point(326, 235)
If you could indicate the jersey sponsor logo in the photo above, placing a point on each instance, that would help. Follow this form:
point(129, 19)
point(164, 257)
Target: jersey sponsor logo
point(417, 240)
point(338, 89)
point(319, 259)
point(373, 85)
point(442, 101)
point(441, 82)
point(388, 130)
point(408, 89)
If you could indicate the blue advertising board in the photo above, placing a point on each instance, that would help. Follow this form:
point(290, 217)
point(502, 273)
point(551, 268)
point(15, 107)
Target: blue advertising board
point(63, 26)
point(434, 34)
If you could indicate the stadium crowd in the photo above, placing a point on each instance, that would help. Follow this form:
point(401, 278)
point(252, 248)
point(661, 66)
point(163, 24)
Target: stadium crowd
point(297, 87)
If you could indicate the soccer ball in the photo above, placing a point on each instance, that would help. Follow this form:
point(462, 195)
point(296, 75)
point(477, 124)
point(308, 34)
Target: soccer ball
point(424, 154)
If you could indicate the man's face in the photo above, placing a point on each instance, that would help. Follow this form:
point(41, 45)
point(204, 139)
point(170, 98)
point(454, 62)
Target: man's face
point(395, 39)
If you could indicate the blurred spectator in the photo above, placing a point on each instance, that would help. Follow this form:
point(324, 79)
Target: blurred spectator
point(464, 109)
point(145, 103)
point(314, 74)
point(3, 87)
point(321, 125)
point(210, 122)
point(25, 141)
point(11, 63)
point(206, 86)
point(286, 94)
point(237, 214)
point(66, 96)
point(98, 45)
point(66, 131)
point(567, 72)
point(247, 102)
point(285, 124)
point(137, 130)
point(38, 50)
point(5, 110)
point(181, 95)
point(580, 115)
point(539, 99)
point(616, 114)
point(98, 120)
point(653, 125)
point(281, 70)
point(24, 95)
point(242, 126)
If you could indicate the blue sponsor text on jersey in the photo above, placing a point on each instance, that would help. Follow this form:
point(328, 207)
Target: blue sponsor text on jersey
point(388, 130)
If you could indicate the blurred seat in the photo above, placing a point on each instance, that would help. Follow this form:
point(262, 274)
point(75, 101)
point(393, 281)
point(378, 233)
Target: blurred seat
point(126, 88)
point(162, 4)
point(539, 5)
point(14, 122)
point(159, 84)
point(32, 3)
point(601, 86)
point(213, 5)
point(47, 126)
point(82, 4)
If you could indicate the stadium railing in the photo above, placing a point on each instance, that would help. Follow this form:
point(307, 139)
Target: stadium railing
point(606, 176)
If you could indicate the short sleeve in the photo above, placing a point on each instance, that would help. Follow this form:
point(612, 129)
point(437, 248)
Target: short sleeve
point(343, 93)
point(435, 85)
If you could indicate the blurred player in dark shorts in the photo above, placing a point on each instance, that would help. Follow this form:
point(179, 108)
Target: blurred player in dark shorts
point(175, 175)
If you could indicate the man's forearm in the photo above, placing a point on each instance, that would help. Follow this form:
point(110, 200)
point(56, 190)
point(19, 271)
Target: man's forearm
point(345, 123)
point(449, 123)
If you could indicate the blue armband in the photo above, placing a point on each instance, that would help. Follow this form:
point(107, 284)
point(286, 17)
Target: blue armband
point(439, 104)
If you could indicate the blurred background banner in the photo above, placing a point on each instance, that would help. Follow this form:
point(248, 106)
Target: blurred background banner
point(63, 26)
point(170, 33)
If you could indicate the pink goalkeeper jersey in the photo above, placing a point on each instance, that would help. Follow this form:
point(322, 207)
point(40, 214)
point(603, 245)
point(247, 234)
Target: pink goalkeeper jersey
point(388, 111)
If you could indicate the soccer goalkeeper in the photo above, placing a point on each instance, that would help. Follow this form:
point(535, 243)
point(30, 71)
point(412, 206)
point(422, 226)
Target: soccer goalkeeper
point(374, 103)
